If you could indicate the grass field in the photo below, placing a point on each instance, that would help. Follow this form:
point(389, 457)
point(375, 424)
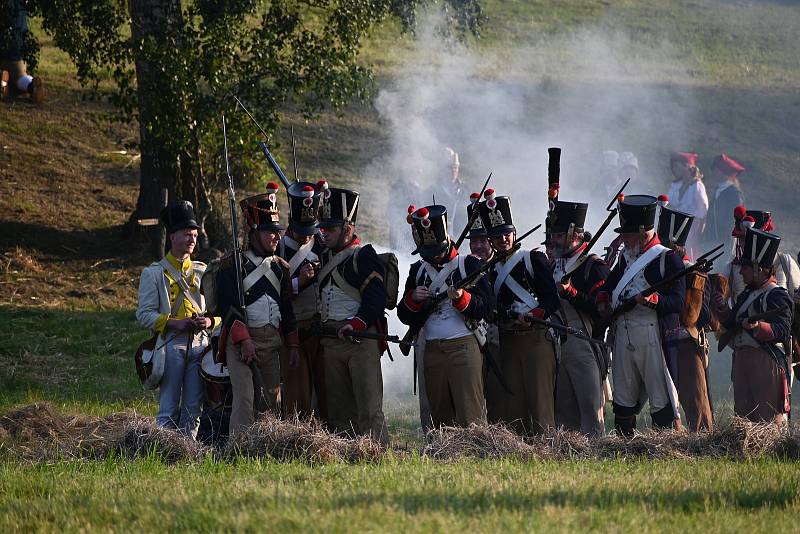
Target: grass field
point(413, 495)
point(68, 281)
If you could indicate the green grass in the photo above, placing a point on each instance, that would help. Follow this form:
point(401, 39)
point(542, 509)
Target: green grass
point(401, 495)
point(79, 360)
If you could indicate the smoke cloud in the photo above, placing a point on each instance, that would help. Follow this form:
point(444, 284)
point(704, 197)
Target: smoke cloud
point(586, 91)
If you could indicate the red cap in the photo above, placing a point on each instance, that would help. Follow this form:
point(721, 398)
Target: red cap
point(690, 158)
point(422, 213)
point(322, 184)
point(474, 197)
point(489, 193)
point(739, 212)
point(727, 165)
point(663, 198)
point(272, 187)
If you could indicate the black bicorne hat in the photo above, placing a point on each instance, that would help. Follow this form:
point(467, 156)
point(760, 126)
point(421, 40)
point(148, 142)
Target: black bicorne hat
point(637, 213)
point(262, 211)
point(337, 206)
point(674, 226)
point(178, 215)
point(566, 215)
point(477, 229)
point(760, 248)
point(430, 223)
point(496, 214)
point(303, 208)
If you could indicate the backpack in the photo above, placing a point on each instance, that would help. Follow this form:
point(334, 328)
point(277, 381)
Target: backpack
point(208, 283)
point(391, 278)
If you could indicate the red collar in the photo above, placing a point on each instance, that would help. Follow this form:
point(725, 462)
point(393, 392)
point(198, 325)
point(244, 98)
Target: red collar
point(452, 255)
point(653, 242)
point(578, 250)
point(353, 243)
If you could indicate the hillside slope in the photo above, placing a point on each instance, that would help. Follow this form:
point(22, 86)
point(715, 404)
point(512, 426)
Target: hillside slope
point(728, 70)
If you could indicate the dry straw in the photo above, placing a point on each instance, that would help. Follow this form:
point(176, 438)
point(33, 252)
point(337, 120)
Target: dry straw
point(40, 433)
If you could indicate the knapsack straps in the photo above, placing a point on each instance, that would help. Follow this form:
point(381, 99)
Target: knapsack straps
point(186, 290)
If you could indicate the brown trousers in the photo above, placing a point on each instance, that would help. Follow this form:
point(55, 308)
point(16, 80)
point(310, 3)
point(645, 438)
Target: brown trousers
point(758, 385)
point(529, 367)
point(496, 396)
point(268, 345)
point(579, 392)
point(302, 382)
point(454, 381)
point(693, 387)
point(354, 386)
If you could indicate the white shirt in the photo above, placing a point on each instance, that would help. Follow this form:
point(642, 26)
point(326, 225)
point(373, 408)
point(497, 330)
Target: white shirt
point(694, 200)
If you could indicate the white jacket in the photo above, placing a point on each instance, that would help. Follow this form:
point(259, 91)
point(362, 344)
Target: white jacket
point(154, 294)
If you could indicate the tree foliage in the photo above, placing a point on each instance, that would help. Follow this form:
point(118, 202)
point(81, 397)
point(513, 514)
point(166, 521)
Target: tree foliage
point(175, 65)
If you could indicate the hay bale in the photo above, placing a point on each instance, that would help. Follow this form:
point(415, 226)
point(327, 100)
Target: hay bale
point(305, 440)
point(562, 444)
point(33, 421)
point(143, 438)
point(478, 441)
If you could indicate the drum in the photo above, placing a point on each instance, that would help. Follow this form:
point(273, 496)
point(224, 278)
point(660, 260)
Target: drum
point(213, 372)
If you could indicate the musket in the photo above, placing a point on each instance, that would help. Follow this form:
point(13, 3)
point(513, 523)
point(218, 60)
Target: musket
point(263, 146)
point(727, 337)
point(584, 255)
point(258, 382)
point(354, 336)
point(473, 214)
point(294, 155)
point(569, 330)
point(467, 282)
point(704, 263)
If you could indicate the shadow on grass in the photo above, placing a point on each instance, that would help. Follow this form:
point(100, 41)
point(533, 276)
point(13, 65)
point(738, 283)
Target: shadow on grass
point(657, 499)
point(68, 245)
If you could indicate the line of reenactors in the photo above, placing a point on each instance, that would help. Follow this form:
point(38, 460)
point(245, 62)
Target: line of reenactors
point(532, 343)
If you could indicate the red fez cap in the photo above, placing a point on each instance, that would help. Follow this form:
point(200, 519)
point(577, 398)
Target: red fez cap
point(690, 158)
point(727, 165)
point(739, 212)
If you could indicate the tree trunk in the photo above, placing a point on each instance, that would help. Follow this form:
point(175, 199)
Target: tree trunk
point(166, 161)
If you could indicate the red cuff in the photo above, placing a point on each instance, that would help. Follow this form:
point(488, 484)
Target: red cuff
point(603, 296)
point(570, 291)
point(358, 324)
point(462, 302)
point(538, 313)
point(292, 339)
point(763, 332)
point(239, 332)
point(597, 286)
point(410, 304)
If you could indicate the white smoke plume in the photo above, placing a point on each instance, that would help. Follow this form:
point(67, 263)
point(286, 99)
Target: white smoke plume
point(585, 91)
